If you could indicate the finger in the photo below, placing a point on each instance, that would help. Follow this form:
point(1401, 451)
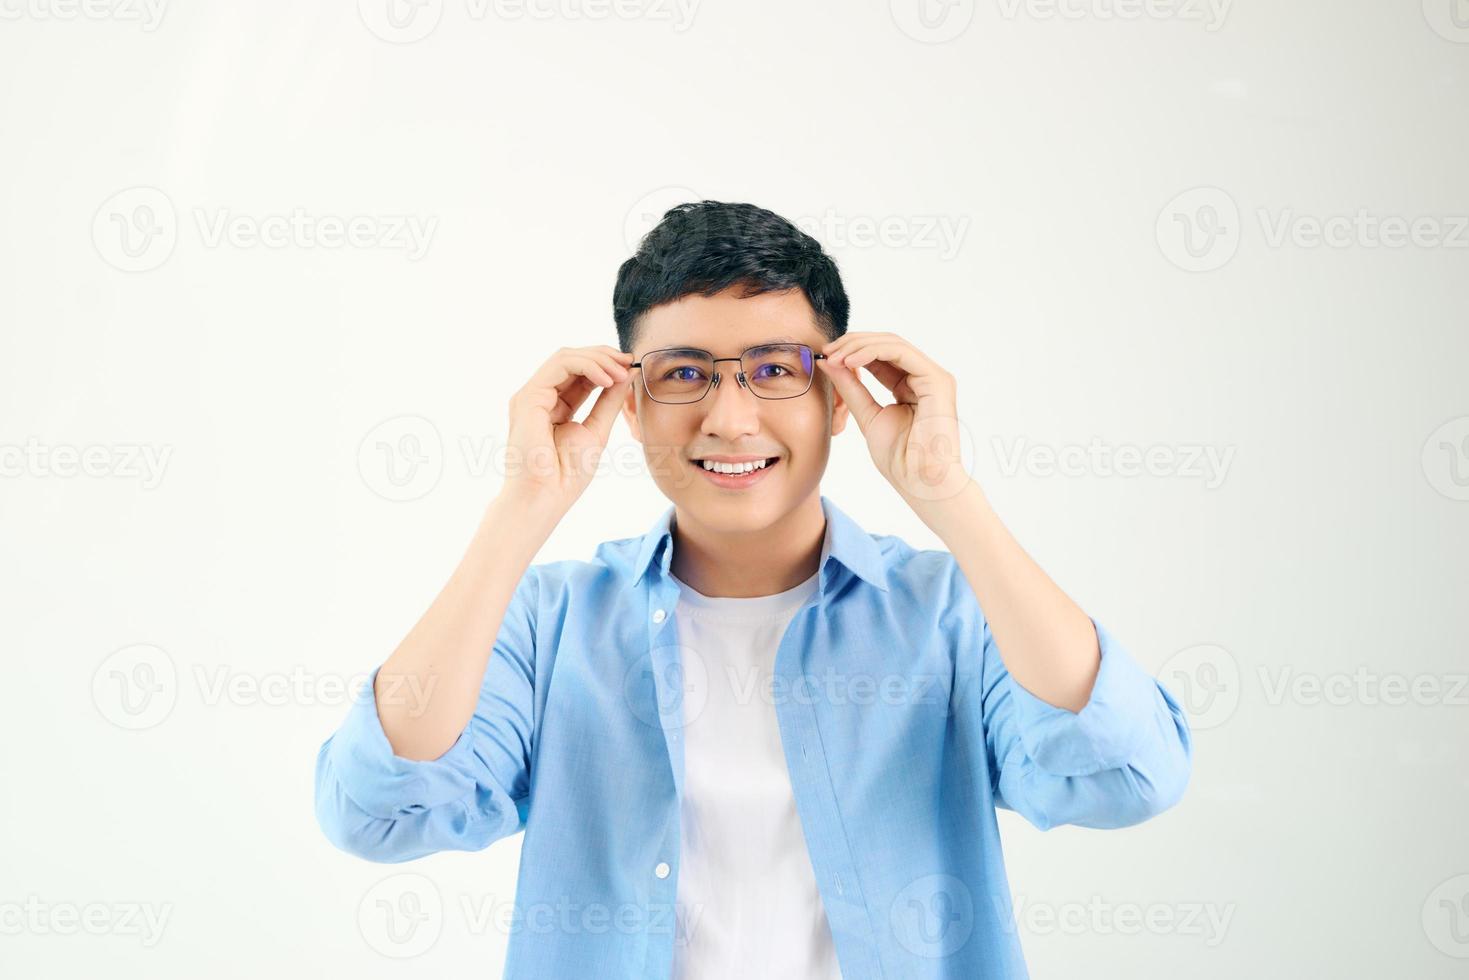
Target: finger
point(849, 337)
point(859, 400)
point(888, 375)
point(609, 359)
point(923, 375)
point(604, 413)
point(609, 364)
point(598, 366)
point(898, 352)
point(600, 371)
point(570, 398)
point(619, 356)
point(887, 372)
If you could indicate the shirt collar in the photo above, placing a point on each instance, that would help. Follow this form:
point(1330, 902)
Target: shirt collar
point(845, 541)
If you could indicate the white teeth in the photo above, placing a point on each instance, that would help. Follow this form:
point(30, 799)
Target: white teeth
point(733, 468)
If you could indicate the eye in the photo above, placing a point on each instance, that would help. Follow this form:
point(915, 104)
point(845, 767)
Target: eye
point(772, 367)
point(676, 370)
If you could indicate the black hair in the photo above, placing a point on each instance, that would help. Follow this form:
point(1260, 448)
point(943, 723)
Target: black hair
point(709, 246)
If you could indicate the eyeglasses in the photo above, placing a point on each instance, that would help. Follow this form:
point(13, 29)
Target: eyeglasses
point(681, 375)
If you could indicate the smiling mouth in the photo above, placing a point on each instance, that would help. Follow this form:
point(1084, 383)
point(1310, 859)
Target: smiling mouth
point(735, 476)
point(736, 469)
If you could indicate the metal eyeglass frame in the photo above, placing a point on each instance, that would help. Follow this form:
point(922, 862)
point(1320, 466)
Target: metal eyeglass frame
point(739, 375)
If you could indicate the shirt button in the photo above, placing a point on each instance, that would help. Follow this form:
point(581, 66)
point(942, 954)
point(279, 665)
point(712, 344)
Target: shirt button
point(662, 869)
point(659, 615)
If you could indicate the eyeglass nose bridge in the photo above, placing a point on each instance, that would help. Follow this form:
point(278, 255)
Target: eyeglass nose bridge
point(739, 375)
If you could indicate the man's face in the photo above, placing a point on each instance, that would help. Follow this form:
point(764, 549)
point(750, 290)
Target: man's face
point(730, 420)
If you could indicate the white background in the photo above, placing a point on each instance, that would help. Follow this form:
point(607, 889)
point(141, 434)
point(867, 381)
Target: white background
point(1088, 297)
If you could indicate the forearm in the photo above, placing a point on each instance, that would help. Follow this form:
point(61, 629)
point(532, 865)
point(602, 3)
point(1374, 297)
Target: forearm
point(427, 691)
point(1047, 642)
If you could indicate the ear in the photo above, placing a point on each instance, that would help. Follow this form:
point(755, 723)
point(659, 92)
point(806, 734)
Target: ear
point(630, 412)
point(839, 410)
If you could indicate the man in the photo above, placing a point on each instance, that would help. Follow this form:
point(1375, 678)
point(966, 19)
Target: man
point(756, 741)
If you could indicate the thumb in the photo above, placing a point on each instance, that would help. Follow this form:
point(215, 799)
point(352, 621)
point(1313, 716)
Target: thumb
point(859, 400)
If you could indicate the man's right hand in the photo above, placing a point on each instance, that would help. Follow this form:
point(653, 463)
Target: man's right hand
point(552, 459)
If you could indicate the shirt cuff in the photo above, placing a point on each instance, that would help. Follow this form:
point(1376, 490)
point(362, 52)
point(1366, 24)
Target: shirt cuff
point(384, 784)
point(1109, 728)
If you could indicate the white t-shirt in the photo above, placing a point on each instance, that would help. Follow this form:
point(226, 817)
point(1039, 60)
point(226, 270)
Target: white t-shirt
point(747, 899)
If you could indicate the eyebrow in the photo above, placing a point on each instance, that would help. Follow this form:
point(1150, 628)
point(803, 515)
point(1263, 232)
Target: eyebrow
point(700, 350)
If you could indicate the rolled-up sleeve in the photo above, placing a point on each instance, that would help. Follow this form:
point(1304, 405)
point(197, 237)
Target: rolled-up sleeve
point(1124, 757)
point(377, 805)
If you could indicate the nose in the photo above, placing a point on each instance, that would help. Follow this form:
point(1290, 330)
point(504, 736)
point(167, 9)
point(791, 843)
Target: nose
point(731, 410)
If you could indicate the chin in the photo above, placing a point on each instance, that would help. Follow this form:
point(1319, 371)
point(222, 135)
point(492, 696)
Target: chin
point(736, 513)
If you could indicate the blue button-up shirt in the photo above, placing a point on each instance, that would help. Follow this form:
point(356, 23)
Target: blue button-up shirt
point(902, 732)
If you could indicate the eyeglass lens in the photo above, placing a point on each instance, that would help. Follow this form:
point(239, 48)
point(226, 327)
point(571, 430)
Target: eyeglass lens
point(773, 371)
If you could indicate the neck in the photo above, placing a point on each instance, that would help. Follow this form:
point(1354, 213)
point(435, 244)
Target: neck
point(746, 564)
